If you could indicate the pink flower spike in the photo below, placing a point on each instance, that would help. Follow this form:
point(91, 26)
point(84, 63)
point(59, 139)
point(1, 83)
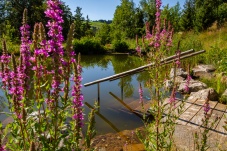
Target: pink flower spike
point(2, 148)
point(138, 49)
point(141, 94)
point(206, 107)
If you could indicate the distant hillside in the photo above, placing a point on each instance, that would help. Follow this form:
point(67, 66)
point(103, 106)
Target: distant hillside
point(98, 23)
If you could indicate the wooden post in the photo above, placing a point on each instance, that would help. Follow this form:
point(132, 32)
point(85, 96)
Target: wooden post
point(98, 95)
point(104, 118)
point(122, 89)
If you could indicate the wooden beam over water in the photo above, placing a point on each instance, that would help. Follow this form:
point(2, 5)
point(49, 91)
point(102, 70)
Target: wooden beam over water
point(183, 55)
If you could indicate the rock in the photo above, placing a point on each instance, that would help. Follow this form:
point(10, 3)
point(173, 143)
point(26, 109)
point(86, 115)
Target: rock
point(204, 71)
point(184, 139)
point(203, 94)
point(179, 72)
point(225, 93)
point(179, 79)
point(194, 86)
point(224, 96)
point(168, 84)
point(115, 141)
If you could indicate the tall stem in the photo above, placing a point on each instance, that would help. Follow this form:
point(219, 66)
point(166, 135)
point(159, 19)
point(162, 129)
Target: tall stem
point(157, 120)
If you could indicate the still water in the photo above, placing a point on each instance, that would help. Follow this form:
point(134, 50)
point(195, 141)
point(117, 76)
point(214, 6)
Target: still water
point(114, 116)
point(96, 67)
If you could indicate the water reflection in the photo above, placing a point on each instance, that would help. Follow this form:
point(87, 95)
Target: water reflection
point(97, 67)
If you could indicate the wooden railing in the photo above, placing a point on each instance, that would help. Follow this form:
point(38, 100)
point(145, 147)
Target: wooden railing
point(183, 55)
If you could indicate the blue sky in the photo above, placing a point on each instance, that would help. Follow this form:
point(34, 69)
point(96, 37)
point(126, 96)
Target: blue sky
point(104, 9)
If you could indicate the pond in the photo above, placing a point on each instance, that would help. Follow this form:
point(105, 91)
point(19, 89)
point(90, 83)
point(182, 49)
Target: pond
point(119, 118)
point(114, 116)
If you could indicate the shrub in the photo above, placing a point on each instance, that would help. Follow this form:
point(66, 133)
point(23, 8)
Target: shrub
point(88, 45)
point(120, 46)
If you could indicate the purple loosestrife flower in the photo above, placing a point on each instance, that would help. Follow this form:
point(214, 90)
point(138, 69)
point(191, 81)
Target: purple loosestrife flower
point(55, 46)
point(16, 88)
point(169, 36)
point(25, 52)
point(163, 33)
point(2, 148)
point(157, 43)
point(186, 87)
point(5, 59)
point(206, 107)
point(141, 93)
point(148, 34)
point(55, 29)
point(77, 97)
point(138, 49)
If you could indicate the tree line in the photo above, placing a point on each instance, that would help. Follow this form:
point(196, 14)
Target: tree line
point(128, 20)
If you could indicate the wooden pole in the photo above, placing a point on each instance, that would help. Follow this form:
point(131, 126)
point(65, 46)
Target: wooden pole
point(98, 94)
point(122, 88)
point(167, 60)
point(125, 105)
point(162, 63)
point(104, 119)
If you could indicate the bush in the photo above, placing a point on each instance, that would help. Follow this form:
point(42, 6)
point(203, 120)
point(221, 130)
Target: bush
point(120, 46)
point(88, 45)
point(11, 47)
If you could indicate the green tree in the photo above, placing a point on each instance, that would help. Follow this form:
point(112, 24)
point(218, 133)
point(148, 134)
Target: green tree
point(124, 20)
point(78, 21)
point(104, 34)
point(172, 15)
point(205, 14)
point(222, 14)
point(68, 19)
point(87, 27)
point(139, 22)
point(13, 11)
point(188, 14)
point(2, 16)
point(149, 10)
